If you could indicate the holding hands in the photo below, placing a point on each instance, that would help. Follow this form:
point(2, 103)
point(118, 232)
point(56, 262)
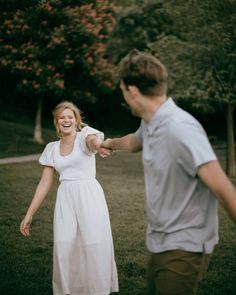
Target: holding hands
point(106, 144)
point(105, 148)
point(94, 144)
point(104, 152)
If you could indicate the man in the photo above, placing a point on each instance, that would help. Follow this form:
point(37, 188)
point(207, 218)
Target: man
point(183, 179)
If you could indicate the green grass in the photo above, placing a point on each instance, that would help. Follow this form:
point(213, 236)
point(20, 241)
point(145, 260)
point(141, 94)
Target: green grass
point(26, 264)
point(17, 139)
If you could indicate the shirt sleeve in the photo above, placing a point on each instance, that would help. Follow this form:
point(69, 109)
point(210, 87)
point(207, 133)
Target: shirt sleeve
point(139, 136)
point(89, 131)
point(191, 147)
point(47, 157)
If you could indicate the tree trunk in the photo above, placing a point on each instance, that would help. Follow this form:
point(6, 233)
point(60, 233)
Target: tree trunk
point(38, 123)
point(230, 163)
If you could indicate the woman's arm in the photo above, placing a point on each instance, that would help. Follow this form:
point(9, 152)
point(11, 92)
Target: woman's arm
point(41, 191)
point(94, 145)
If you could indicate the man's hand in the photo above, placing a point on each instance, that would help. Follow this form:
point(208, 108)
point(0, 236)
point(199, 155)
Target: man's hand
point(127, 143)
point(107, 143)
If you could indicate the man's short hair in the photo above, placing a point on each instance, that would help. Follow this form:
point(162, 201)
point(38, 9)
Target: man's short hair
point(145, 71)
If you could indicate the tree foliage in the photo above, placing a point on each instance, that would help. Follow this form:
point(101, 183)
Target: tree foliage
point(58, 47)
point(13, 5)
point(196, 41)
point(201, 60)
point(137, 26)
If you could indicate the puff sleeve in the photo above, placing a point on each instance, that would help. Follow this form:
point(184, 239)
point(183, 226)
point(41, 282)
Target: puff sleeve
point(47, 157)
point(89, 131)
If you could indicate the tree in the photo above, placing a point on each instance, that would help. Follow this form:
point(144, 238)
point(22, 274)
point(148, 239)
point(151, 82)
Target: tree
point(202, 59)
point(138, 25)
point(56, 48)
point(14, 5)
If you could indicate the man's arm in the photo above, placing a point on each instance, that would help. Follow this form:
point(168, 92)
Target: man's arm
point(219, 184)
point(127, 143)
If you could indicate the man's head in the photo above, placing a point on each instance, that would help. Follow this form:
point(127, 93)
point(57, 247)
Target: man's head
point(144, 71)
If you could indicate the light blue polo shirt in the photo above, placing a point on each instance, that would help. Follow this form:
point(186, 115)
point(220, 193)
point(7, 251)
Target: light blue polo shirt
point(181, 211)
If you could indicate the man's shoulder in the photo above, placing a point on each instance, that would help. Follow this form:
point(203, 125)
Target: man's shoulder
point(183, 125)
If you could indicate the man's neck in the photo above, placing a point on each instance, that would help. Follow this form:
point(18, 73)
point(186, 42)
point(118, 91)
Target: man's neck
point(150, 107)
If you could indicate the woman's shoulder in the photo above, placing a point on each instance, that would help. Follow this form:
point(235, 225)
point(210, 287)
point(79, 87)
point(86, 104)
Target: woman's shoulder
point(84, 133)
point(89, 130)
point(52, 143)
point(48, 154)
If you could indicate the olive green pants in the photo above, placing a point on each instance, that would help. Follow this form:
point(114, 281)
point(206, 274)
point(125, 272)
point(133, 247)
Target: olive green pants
point(176, 272)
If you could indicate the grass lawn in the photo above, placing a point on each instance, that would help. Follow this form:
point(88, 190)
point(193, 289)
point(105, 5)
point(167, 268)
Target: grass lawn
point(26, 263)
point(17, 139)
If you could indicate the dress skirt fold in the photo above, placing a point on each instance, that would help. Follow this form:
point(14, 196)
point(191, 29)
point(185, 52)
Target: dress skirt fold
point(83, 251)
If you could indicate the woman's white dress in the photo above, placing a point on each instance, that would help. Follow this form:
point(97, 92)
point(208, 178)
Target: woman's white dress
point(83, 258)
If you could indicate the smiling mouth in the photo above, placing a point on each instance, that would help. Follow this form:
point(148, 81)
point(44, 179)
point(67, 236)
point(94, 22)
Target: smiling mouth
point(66, 126)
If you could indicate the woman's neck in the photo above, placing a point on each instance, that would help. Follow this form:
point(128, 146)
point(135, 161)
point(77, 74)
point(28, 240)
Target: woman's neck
point(68, 138)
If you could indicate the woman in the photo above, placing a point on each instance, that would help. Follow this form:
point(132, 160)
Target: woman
point(83, 255)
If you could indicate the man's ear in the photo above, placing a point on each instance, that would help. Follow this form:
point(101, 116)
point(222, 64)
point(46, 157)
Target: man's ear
point(133, 90)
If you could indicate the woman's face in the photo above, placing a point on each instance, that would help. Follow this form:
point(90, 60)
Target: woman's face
point(67, 122)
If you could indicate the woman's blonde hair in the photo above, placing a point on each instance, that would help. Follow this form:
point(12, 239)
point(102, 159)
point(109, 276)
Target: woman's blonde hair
point(60, 108)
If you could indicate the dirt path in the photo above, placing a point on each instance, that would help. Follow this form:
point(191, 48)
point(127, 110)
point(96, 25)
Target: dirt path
point(21, 159)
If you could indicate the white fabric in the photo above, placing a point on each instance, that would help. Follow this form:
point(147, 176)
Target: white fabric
point(84, 261)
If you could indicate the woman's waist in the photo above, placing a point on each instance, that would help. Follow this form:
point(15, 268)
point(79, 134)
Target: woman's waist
point(72, 178)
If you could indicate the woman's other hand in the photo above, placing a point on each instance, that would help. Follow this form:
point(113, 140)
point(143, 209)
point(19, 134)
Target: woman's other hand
point(25, 225)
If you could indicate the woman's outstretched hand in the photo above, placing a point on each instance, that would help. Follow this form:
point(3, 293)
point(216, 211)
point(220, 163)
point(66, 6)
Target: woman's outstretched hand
point(25, 225)
point(104, 152)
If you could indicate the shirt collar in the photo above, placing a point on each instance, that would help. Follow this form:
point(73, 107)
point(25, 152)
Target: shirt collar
point(159, 115)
